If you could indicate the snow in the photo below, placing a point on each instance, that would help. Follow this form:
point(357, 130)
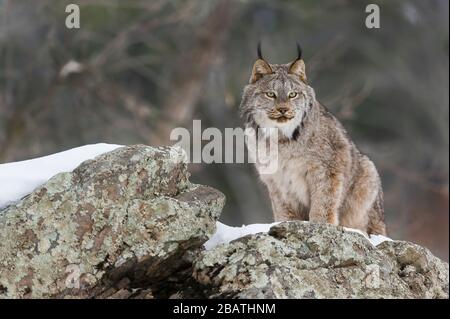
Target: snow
point(378, 239)
point(21, 178)
point(225, 234)
point(374, 239)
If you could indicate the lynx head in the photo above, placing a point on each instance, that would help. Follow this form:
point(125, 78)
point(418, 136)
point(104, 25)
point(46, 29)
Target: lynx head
point(277, 95)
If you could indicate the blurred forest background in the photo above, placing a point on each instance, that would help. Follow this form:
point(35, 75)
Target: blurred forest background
point(136, 69)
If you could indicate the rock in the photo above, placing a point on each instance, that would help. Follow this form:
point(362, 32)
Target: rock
point(306, 260)
point(129, 224)
point(120, 221)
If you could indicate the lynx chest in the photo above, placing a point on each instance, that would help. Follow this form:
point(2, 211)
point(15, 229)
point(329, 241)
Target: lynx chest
point(287, 182)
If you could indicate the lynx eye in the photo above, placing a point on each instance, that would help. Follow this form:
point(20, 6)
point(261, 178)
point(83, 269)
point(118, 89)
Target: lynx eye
point(292, 95)
point(271, 94)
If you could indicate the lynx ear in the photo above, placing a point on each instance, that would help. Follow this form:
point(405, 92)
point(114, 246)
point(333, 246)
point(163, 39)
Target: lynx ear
point(298, 66)
point(260, 68)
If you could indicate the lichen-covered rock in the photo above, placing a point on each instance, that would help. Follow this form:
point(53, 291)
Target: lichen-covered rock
point(120, 221)
point(129, 224)
point(306, 260)
point(425, 274)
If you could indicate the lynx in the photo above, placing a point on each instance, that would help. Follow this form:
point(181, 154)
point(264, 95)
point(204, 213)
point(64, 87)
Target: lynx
point(321, 177)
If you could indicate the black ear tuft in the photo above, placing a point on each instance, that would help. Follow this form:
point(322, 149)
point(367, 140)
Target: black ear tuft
point(259, 51)
point(299, 52)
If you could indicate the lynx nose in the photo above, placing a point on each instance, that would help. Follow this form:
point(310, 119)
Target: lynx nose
point(282, 109)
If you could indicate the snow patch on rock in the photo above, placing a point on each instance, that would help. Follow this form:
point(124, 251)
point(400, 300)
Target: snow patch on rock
point(225, 234)
point(19, 179)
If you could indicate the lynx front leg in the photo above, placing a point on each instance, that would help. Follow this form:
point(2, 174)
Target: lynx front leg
point(326, 195)
point(281, 211)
